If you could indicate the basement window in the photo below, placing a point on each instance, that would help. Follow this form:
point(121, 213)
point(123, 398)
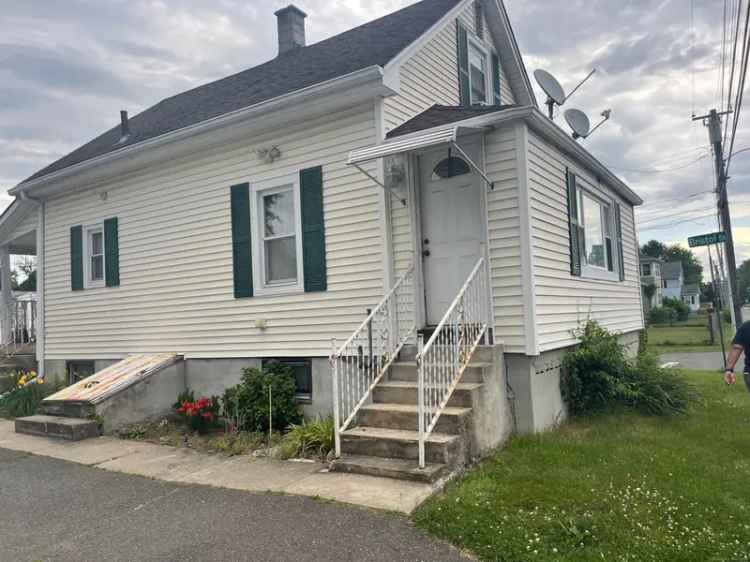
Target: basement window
point(302, 368)
point(79, 370)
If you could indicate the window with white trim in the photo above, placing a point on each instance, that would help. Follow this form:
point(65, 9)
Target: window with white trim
point(478, 74)
point(94, 256)
point(598, 257)
point(646, 269)
point(278, 250)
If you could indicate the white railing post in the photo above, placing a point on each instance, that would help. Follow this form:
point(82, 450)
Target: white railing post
point(336, 405)
point(420, 400)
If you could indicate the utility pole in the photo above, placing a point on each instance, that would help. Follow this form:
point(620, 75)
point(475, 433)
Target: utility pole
point(713, 122)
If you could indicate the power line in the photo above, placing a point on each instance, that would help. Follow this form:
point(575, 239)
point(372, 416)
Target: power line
point(740, 87)
point(663, 171)
point(731, 73)
point(657, 219)
point(675, 223)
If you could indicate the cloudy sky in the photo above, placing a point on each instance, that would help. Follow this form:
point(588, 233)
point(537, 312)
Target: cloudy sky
point(67, 68)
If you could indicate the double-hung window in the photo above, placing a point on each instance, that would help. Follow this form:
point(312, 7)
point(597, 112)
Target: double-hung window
point(279, 248)
point(478, 74)
point(596, 243)
point(646, 269)
point(94, 256)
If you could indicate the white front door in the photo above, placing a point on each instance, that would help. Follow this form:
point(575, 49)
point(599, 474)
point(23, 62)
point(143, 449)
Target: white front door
point(452, 228)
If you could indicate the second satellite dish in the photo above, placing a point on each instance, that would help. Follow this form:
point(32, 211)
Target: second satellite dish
point(579, 122)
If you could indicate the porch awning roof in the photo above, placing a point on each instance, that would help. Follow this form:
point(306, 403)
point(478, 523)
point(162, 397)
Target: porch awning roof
point(404, 144)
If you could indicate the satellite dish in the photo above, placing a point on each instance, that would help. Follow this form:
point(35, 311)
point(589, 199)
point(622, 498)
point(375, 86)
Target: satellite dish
point(550, 85)
point(553, 89)
point(579, 122)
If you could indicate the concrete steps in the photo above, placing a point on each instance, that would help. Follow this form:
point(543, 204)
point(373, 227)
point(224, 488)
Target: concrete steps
point(71, 429)
point(440, 448)
point(405, 392)
point(407, 371)
point(404, 416)
point(389, 468)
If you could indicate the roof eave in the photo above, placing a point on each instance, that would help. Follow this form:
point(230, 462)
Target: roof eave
point(372, 75)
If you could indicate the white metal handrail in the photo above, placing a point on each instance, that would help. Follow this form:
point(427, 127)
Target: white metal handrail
point(445, 356)
point(21, 321)
point(359, 364)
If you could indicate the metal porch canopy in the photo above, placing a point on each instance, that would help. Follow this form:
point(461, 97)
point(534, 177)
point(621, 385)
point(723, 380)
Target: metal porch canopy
point(417, 141)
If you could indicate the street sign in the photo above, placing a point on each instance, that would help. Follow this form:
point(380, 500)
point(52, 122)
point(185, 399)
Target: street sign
point(707, 239)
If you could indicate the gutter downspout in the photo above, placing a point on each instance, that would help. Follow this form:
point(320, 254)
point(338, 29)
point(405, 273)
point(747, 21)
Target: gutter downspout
point(40, 235)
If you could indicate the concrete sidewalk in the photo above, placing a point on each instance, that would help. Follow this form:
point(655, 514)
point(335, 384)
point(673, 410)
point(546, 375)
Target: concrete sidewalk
point(708, 360)
point(246, 473)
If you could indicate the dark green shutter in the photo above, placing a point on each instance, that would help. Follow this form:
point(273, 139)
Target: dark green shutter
point(313, 229)
point(241, 241)
point(76, 258)
point(462, 40)
point(620, 253)
point(111, 253)
point(496, 78)
point(575, 249)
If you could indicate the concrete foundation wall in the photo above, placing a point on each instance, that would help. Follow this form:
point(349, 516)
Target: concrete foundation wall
point(145, 400)
point(211, 377)
point(535, 382)
point(491, 423)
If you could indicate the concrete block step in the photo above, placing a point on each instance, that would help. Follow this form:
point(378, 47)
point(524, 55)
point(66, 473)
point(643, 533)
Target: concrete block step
point(404, 416)
point(72, 429)
point(401, 469)
point(483, 353)
point(407, 371)
point(405, 392)
point(440, 448)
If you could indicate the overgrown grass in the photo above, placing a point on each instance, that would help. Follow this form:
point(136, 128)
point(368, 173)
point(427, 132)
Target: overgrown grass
point(615, 487)
point(313, 438)
point(690, 336)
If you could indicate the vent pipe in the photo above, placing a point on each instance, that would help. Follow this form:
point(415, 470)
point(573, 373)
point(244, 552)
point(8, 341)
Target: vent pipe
point(124, 124)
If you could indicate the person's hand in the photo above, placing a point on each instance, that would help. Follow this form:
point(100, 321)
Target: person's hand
point(729, 377)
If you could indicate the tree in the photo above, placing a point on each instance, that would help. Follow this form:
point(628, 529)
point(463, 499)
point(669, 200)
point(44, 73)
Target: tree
point(25, 266)
point(691, 265)
point(743, 280)
point(649, 290)
point(654, 248)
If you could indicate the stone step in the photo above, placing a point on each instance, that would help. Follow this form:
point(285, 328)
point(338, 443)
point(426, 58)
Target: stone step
point(404, 416)
point(405, 392)
point(401, 469)
point(72, 429)
point(440, 448)
point(407, 371)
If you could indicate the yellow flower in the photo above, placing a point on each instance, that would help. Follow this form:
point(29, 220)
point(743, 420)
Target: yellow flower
point(39, 381)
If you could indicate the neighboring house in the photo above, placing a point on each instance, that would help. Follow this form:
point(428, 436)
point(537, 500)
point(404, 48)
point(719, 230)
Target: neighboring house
point(673, 279)
point(243, 221)
point(691, 296)
point(651, 275)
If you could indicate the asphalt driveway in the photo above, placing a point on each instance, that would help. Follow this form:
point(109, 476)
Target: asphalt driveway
point(55, 510)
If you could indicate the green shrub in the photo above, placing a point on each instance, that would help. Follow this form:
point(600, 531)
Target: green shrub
point(682, 310)
point(662, 315)
point(598, 375)
point(25, 400)
point(726, 316)
point(310, 438)
point(248, 402)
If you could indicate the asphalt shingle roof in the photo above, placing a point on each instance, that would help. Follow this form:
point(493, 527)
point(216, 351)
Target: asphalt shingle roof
point(374, 43)
point(442, 115)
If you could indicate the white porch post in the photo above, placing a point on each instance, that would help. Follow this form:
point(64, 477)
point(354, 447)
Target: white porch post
point(6, 295)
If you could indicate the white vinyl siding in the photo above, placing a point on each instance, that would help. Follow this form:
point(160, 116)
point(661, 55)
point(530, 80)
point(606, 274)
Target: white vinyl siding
point(504, 230)
point(431, 75)
point(563, 302)
point(176, 254)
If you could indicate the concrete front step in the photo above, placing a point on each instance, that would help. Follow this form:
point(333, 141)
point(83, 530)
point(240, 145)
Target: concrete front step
point(404, 416)
point(407, 371)
point(440, 448)
point(482, 353)
point(401, 469)
point(72, 429)
point(405, 392)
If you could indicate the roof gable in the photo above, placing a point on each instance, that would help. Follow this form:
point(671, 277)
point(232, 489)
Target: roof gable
point(372, 44)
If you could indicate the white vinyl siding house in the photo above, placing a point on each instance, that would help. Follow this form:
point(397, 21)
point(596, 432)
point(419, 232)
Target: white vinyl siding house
point(176, 255)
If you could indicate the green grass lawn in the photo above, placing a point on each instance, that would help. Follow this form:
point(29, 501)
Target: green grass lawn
point(686, 336)
point(610, 488)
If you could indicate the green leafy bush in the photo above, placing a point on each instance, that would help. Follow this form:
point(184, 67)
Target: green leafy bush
point(662, 315)
point(25, 400)
point(682, 311)
point(726, 316)
point(598, 375)
point(248, 402)
point(309, 438)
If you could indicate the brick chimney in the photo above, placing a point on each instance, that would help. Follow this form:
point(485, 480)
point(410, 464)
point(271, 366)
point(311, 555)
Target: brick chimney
point(291, 24)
